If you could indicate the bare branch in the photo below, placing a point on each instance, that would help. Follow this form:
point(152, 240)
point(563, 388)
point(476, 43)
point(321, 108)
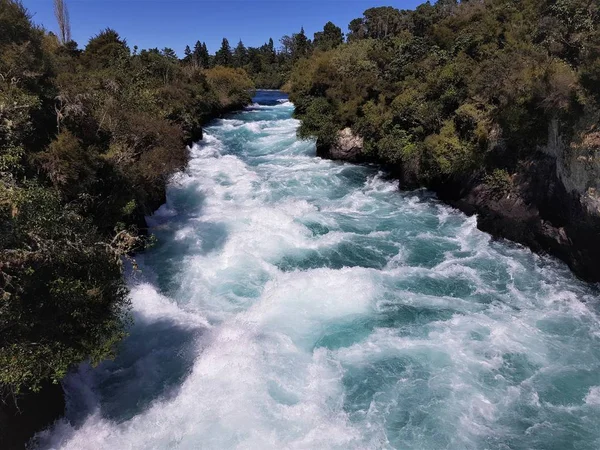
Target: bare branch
point(62, 17)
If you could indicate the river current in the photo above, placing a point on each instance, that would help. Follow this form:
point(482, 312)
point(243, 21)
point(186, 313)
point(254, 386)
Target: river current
point(297, 303)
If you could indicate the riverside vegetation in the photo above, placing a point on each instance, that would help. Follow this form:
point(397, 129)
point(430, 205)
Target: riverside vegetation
point(494, 104)
point(88, 139)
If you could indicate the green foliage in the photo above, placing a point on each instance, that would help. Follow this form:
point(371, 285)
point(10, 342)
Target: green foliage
point(397, 146)
point(377, 23)
point(63, 297)
point(447, 153)
point(318, 114)
point(105, 49)
point(240, 55)
point(199, 57)
point(328, 39)
point(231, 86)
point(425, 88)
point(67, 164)
point(297, 46)
point(499, 182)
point(266, 67)
point(88, 140)
point(224, 56)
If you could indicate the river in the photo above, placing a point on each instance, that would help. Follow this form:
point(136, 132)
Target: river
point(297, 303)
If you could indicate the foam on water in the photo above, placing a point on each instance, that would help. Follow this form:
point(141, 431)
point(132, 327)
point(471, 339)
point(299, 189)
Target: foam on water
point(299, 303)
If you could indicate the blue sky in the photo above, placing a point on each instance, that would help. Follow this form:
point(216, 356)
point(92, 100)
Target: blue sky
point(175, 23)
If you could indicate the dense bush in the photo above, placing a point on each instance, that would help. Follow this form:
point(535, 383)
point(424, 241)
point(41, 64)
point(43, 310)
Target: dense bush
point(230, 85)
point(63, 297)
point(455, 89)
point(88, 139)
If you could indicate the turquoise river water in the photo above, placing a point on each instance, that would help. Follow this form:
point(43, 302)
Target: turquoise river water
point(297, 303)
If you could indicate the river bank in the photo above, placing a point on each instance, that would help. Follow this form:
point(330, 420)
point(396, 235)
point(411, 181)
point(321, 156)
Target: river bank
point(21, 416)
point(296, 302)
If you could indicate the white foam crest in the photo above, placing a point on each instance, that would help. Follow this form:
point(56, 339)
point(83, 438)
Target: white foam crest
point(379, 184)
point(592, 398)
point(285, 104)
point(294, 295)
point(152, 306)
point(456, 363)
point(230, 124)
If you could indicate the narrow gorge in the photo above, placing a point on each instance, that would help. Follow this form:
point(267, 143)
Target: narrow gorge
point(301, 303)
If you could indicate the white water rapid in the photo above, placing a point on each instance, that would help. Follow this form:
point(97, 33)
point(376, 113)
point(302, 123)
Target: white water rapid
point(297, 303)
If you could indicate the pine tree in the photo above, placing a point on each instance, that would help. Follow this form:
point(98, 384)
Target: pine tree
point(188, 55)
point(197, 55)
point(169, 53)
point(301, 45)
point(224, 57)
point(204, 56)
point(240, 55)
point(272, 57)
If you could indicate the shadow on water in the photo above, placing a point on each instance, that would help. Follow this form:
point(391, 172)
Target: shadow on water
point(151, 364)
point(180, 232)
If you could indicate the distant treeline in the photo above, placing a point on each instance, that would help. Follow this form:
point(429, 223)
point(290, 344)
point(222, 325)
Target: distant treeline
point(268, 66)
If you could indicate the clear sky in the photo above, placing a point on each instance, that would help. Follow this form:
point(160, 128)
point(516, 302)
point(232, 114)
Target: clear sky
point(175, 23)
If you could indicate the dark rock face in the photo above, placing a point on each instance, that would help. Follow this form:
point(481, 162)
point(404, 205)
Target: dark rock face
point(194, 135)
point(32, 412)
point(539, 213)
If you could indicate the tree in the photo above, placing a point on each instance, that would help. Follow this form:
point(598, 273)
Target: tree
point(87, 141)
point(446, 7)
point(106, 49)
point(232, 86)
point(295, 46)
point(199, 56)
point(196, 57)
point(204, 56)
point(383, 21)
point(378, 23)
point(356, 29)
point(187, 55)
point(224, 57)
point(61, 12)
point(331, 37)
point(169, 53)
point(287, 45)
point(302, 44)
point(240, 55)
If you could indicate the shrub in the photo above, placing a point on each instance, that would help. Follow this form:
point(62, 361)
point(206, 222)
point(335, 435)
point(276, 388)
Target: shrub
point(499, 182)
point(233, 87)
point(63, 297)
point(447, 154)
